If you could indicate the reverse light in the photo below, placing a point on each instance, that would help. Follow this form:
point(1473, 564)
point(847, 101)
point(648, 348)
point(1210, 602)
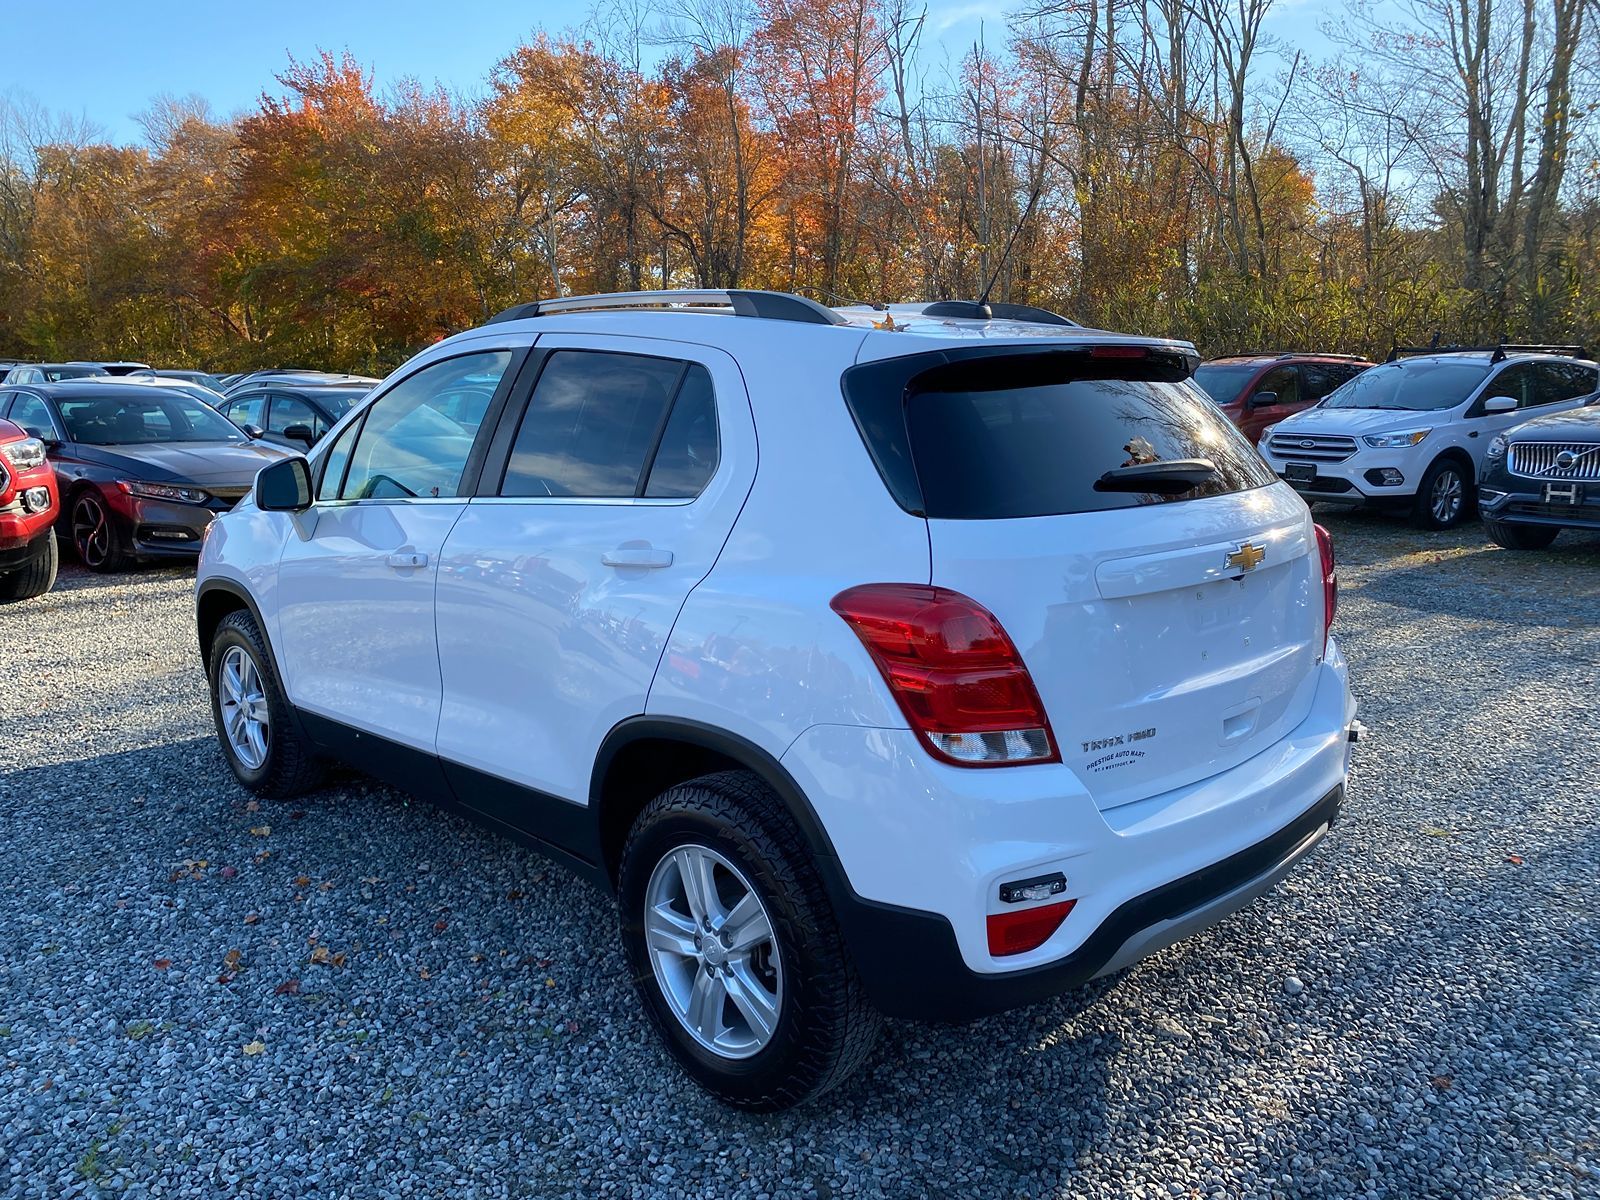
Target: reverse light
point(1025, 929)
point(1330, 583)
point(954, 672)
point(164, 491)
point(24, 454)
point(1391, 441)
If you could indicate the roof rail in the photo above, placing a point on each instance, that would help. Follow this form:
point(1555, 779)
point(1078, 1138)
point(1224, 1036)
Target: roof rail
point(771, 306)
point(1498, 353)
point(1313, 354)
point(974, 310)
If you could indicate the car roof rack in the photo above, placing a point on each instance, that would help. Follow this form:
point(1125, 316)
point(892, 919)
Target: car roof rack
point(1497, 353)
point(771, 306)
point(976, 310)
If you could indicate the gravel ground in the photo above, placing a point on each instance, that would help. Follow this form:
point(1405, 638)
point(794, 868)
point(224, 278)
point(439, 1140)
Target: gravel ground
point(1412, 1014)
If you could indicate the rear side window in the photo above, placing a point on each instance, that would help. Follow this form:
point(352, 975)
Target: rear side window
point(1039, 449)
point(604, 425)
point(1565, 381)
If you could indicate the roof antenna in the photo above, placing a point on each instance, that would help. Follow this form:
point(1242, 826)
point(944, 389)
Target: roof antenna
point(1033, 198)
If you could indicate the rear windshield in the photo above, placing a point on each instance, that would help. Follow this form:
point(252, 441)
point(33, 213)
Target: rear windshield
point(1039, 450)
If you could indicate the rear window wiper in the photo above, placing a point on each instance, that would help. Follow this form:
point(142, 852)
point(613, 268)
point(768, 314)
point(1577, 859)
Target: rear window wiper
point(1165, 478)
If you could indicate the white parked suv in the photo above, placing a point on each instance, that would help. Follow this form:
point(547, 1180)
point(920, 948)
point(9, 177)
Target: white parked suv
point(924, 662)
point(1412, 433)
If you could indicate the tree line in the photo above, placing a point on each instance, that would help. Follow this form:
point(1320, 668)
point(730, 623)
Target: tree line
point(1160, 166)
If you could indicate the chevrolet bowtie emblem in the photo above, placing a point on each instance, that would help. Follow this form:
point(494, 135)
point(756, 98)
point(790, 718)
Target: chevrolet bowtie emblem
point(1247, 557)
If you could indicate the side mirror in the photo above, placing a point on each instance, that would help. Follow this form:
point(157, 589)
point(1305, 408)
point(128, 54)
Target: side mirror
point(254, 431)
point(300, 433)
point(284, 486)
point(1263, 400)
point(1500, 404)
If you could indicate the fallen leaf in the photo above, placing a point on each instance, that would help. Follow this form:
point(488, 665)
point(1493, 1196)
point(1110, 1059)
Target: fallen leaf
point(289, 987)
point(339, 959)
point(252, 918)
point(321, 956)
point(161, 964)
point(224, 978)
point(254, 1048)
point(260, 830)
point(252, 806)
point(572, 1027)
point(1514, 859)
point(1433, 831)
point(325, 886)
point(440, 926)
point(514, 894)
point(302, 881)
point(231, 959)
point(549, 983)
point(296, 815)
point(228, 872)
point(424, 973)
point(1442, 1082)
point(263, 856)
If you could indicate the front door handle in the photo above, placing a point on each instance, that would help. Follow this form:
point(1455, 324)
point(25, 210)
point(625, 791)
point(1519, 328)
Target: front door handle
point(636, 556)
point(406, 559)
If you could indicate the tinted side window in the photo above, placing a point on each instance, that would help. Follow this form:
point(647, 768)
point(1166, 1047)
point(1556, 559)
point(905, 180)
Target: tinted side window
point(30, 412)
point(1031, 451)
point(291, 410)
point(1321, 378)
point(591, 423)
point(248, 411)
point(1285, 381)
point(1517, 381)
point(687, 457)
point(407, 446)
point(1566, 381)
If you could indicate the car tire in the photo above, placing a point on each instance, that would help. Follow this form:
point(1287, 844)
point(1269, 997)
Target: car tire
point(34, 577)
point(1514, 536)
point(97, 537)
point(1445, 496)
point(260, 738)
point(814, 1025)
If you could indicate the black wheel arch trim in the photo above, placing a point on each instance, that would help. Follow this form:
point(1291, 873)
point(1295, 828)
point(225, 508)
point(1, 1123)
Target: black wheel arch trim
point(236, 591)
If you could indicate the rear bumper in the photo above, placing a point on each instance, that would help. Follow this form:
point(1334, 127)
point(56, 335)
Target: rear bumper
point(923, 850)
point(916, 971)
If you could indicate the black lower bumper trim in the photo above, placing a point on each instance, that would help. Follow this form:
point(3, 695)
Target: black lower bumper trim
point(912, 967)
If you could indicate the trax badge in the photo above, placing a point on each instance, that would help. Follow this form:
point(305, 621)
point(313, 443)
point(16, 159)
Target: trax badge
point(1247, 557)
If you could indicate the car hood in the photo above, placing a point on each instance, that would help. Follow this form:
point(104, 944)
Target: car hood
point(218, 464)
point(1360, 420)
point(1574, 425)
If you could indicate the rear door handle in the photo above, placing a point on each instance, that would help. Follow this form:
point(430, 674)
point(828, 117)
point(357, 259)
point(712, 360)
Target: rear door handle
point(636, 556)
point(405, 559)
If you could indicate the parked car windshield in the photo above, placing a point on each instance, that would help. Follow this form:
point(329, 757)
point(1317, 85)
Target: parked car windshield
point(1224, 381)
point(166, 416)
point(1420, 385)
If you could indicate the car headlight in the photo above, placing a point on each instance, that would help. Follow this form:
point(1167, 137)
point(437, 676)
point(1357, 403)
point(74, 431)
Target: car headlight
point(1389, 441)
point(176, 492)
point(1269, 431)
point(25, 454)
point(1497, 446)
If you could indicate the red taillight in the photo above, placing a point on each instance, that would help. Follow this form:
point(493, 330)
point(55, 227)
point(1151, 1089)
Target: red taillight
point(953, 671)
point(1330, 581)
point(1025, 929)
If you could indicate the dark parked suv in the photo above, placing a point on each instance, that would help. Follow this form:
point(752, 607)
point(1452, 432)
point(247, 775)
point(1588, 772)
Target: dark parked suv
point(1542, 477)
point(1257, 390)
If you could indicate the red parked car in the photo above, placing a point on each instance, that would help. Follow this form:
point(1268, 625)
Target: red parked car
point(1257, 390)
point(29, 505)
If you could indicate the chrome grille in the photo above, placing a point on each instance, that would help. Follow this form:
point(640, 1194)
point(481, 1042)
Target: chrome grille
point(1312, 447)
point(1543, 460)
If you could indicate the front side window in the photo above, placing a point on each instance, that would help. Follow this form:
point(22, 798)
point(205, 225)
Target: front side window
point(592, 426)
point(1412, 385)
point(146, 417)
point(415, 442)
point(30, 413)
point(249, 411)
point(1283, 382)
point(288, 411)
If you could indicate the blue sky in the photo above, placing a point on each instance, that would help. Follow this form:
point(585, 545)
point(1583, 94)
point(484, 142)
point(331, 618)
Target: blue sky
point(105, 59)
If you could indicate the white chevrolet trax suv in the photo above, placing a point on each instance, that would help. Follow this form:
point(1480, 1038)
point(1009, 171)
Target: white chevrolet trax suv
point(922, 662)
point(1413, 433)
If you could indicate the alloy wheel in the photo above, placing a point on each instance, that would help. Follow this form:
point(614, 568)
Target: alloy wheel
point(243, 701)
point(712, 949)
point(1447, 496)
point(91, 530)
